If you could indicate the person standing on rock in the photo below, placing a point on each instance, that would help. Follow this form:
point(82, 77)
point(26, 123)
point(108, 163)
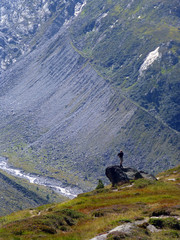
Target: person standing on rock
point(120, 155)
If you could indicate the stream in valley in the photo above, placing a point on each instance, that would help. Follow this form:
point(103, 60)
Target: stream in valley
point(52, 183)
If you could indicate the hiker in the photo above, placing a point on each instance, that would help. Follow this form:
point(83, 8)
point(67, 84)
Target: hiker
point(120, 155)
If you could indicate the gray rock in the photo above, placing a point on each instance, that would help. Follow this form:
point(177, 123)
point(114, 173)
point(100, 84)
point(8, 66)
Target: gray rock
point(124, 228)
point(118, 175)
point(100, 237)
point(147, 176)
point(132, 173)
point(152, 228)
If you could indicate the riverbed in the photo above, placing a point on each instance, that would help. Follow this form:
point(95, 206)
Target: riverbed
point(52, 183)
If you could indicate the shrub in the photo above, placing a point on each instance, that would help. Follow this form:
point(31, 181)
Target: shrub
point(47, 229)
point(170, 222)
point(100, 184)
point(98, 214)
point(18, 232)
point(161, 211)
point(72, 213)
point(63, 228)
point(157, 222)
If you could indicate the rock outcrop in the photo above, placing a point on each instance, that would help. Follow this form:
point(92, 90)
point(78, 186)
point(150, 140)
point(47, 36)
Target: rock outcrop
point(118, 175)
point(126, 230)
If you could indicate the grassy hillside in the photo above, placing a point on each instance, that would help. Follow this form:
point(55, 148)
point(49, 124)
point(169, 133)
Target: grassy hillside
point(99, 211)
point(17, 194)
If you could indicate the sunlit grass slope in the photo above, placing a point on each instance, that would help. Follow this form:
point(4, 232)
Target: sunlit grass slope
point(98, 211)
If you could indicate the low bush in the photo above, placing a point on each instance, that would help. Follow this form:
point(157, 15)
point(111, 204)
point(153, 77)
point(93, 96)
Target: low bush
point(141, 183)
point(71, 213)
point(47, 229)
point(161, 211)
point(170, 222)
point(157, 222)
point(100, 184)
point(98, 214)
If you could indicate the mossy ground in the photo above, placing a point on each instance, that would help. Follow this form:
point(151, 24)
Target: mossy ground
point(96, 212)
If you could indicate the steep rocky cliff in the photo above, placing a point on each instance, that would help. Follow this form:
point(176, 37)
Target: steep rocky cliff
point(21, 20)
point(90, 78)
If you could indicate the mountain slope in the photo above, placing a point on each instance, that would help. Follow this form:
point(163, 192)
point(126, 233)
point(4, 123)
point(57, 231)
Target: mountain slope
point(17, 194)
point(22, 20)
point(134, 208)
point(135, 45)
point(86, 88)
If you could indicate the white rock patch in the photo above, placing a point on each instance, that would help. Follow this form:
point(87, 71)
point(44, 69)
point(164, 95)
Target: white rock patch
point(78, 8)
point(171, 179)
point(3, 19)
point(150, 59)
point(46, 9)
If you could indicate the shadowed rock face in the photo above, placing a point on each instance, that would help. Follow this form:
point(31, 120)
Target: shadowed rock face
point(118, 175)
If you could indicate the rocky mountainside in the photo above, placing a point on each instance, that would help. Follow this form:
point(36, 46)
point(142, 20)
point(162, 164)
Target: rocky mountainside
point(21, 20)
point(81, 80)
point(135, 45)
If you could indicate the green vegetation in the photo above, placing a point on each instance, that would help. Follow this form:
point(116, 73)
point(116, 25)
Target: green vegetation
point(99, 211)
point(17, 194)
point(119, 35)
point(170, 222)
point(111, 38)
point(141, 183)
point(100, 184)
point(171, 175)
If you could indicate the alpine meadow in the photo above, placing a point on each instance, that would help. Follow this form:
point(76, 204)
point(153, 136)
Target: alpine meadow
point(81, 80)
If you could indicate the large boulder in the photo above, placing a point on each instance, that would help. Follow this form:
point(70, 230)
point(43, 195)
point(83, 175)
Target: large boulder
point(147, 175)
point(132, 173)
point(118, 175)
